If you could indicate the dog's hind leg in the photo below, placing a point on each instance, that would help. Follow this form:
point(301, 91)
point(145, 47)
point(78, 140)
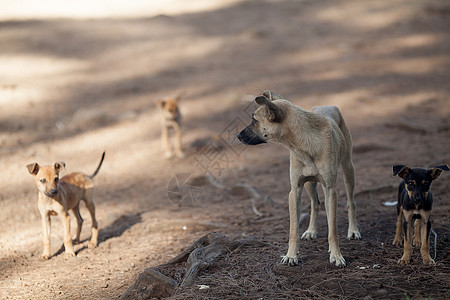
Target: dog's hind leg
point(349, 180)
point(311, 189)
point(76, 212)
point(65, 218)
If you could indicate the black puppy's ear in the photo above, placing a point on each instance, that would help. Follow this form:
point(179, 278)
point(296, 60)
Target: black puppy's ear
point(59, 165)
point(274, 113)
point(33, 168)
point(436, 171)
point(271, 96)
point(400, 170)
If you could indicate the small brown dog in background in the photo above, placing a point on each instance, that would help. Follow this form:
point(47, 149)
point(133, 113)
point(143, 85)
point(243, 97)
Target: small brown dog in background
point(171, 119)
point(58, 196)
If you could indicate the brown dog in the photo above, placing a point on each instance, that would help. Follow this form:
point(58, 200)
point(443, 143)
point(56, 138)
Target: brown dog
point(319, 143)
point(58, 196)
point(171, 119)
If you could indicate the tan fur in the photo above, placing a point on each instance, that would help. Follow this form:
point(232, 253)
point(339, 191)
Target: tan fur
point(424, 249)
point(319, 143)
point(410, 193)
point(171, 119)
point(70, 190)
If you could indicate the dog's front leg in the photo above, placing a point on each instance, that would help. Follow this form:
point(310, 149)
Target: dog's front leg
point(165, 141)
point(178, 151)
point(425, 235)
point(294, 212)
point(46, 234)
point(67, 238)
point(333, 242)
point(407, 229)
point(398, 227)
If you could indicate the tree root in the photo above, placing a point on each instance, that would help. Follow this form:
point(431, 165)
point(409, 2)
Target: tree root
point(201, 255)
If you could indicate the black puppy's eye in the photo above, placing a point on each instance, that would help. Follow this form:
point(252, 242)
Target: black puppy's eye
point(410, 183)
point(43, 180)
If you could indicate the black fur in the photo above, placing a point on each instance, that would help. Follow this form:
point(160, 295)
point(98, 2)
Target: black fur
point(418, 182)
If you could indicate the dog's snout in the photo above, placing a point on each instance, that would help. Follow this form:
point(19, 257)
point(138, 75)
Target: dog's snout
point(53, 192)
point(248, 137)
point(418, 199)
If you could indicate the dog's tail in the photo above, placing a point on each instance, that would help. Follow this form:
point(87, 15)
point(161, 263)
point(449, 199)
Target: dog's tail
point(99, 165)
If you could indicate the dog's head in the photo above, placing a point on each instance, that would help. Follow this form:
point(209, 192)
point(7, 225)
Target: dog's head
point(47, 177)
point(266, 121)
point(418, 180)
point(169, 108)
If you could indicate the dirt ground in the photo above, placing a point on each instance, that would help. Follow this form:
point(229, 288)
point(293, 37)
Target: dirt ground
point(71, 88)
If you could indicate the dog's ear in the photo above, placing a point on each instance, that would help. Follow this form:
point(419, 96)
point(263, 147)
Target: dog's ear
point(59, 165)
point(274, 113)
point(401, 171)
point(436, 171)
point(271, 96)
point(33, 168)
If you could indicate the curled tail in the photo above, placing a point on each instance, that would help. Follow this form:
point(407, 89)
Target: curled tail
point(99, 165)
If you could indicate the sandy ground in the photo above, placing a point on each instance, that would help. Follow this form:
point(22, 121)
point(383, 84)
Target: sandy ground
point(78, 80)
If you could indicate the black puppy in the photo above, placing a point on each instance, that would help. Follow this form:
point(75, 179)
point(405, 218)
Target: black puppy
point(415, 202)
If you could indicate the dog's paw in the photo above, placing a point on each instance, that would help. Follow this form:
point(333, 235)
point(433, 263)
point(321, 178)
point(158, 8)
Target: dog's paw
point(397, 242)
point(353, 235)
point(428, 261)
point(69, 254)
point(180, 155)
point(404, 261)
point(168, 155)
point(337, 260)
point(44, 256)
point(309, 235)
point(92, 245)
point(417, 243)
point(289, 260)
